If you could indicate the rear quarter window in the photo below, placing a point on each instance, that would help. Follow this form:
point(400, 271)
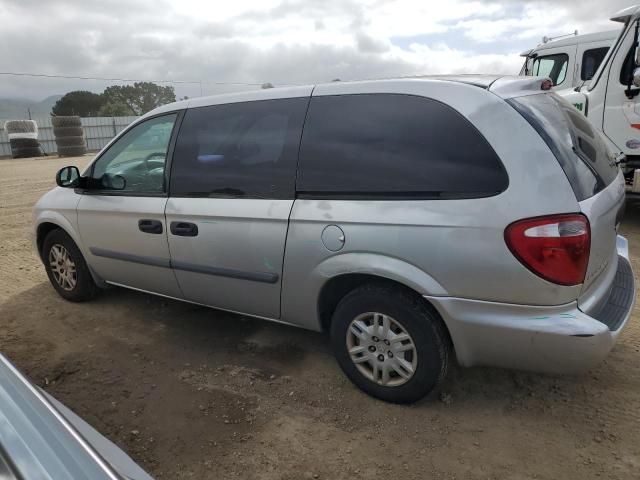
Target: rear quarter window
point(394, 146)
point(578, 147)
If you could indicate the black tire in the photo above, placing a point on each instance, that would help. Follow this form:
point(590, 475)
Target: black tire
point(74, 151)
point(20, 126)
point(27, 152)
point(68, 132)
point(85, 288)
point(70, 141)
point(24, 143)
point(66, 121)
point(419, 320)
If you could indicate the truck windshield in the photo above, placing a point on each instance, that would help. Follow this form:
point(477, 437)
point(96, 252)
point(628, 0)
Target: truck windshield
point(552, 66)
point(578, 147)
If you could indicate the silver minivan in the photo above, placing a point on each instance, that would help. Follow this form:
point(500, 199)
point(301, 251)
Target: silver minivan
point(411, 219)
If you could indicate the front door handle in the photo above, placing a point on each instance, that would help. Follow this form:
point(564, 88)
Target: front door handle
point(150, 226)
point(184, 229)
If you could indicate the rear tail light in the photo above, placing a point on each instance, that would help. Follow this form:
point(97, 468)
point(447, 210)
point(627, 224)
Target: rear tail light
point(555, 247)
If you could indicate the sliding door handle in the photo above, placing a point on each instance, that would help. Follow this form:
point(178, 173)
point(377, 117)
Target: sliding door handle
point(184, 229)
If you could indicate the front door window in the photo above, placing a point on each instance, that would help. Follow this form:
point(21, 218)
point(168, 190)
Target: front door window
point(136, 161)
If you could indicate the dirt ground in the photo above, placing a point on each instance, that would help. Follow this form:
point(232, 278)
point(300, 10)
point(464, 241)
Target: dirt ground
point(191, 392)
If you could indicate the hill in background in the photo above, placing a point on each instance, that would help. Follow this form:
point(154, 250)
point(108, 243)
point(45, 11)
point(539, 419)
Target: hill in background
point(18, 108)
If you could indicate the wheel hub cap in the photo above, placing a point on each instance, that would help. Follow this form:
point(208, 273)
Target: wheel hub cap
point(381, 349)
point(63, 267)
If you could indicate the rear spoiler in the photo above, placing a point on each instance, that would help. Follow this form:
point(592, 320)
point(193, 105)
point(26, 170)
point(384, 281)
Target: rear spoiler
point(512, 86)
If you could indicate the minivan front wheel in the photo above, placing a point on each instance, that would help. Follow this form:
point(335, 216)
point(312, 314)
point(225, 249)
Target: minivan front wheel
point(66, 268)
point(63, 268)
point(389, 343)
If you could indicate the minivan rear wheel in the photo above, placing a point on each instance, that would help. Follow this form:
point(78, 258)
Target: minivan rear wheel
point(66, 268)
point(389, 343)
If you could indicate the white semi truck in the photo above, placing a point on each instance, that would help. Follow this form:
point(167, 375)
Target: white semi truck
point(569, 60)
point(600, 75)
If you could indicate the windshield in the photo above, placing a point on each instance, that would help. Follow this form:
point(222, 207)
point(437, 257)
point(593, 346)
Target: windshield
point(552, 66)
point(578, 147)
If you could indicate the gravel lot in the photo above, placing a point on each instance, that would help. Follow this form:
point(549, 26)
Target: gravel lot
point(191, 392)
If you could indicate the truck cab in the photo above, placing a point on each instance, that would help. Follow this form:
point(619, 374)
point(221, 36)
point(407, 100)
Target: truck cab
point(609, 98)
point(570, 61)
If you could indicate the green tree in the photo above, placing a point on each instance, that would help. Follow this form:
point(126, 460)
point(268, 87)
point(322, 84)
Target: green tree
point(139, 98)
point(79, 102)
point(115, 109)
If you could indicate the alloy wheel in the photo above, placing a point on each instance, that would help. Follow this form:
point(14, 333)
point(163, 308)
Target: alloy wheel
point(63, 267)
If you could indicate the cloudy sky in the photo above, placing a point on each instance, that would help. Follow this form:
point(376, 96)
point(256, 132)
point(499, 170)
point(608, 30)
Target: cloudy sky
point(277, 41)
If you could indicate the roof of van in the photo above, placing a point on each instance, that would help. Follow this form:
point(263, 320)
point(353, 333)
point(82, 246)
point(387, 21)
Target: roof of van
point(505, 86)
point(609, 35)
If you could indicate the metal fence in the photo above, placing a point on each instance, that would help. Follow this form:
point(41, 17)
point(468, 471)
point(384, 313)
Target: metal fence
point(98, 131)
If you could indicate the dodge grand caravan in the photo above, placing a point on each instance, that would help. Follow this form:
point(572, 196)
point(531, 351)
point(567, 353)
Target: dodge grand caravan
point(412, 219)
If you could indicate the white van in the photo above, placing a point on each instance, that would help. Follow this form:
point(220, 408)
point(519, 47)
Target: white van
point(568, 62)
point(609, 97)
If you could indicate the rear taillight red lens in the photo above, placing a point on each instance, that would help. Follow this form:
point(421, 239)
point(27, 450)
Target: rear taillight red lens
point(554, 247)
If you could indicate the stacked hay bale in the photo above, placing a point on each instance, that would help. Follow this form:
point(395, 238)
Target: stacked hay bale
point(23, 138)
point(69, 136)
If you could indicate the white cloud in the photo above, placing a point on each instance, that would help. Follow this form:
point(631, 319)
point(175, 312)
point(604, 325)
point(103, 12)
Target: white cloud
point(278, 41)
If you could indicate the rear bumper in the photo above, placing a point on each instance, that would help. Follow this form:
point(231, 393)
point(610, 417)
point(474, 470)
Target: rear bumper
point(556, 339)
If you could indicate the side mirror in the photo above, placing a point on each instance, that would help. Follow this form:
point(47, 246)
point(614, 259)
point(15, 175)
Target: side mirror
point(68, 177)
point(636, 76)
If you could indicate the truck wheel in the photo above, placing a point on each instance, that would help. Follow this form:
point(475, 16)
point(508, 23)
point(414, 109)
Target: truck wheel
point(59, 132)
point(73, 151)
point(26, 152)
point(20, 126)
point(66, 268)
point(24, 143)
point(77, 141)
point(390, 343)
point(66, 121)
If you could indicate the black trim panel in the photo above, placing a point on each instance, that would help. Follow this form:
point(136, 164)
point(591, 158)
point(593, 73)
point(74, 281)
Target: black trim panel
point(620, 299)
point(263, 277)
point(309, 195)
point(127, 257)
point(118, 193)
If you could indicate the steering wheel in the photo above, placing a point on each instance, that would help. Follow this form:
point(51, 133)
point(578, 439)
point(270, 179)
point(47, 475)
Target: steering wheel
point(152, 155)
